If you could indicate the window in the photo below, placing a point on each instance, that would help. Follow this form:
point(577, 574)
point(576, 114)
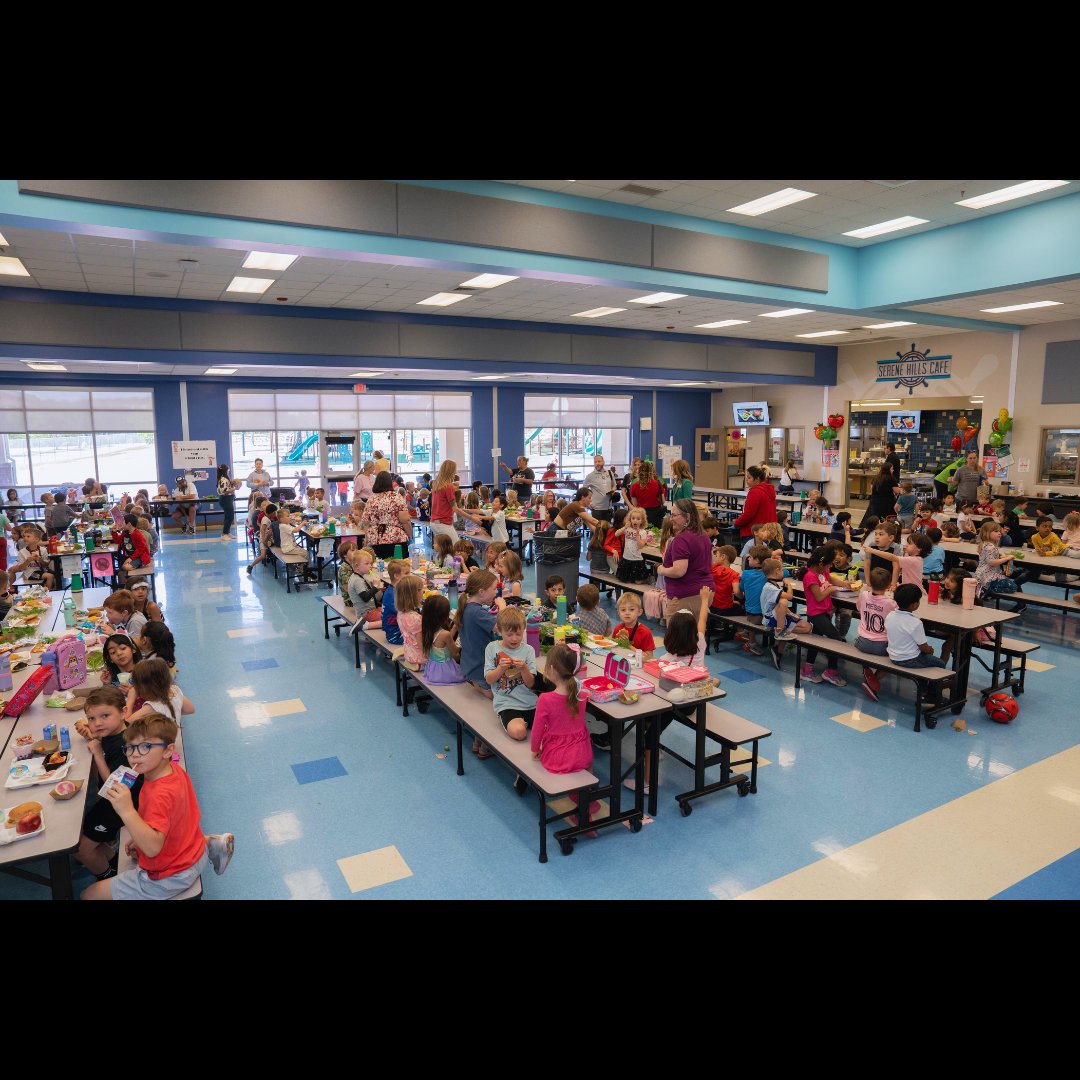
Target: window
point(571, 430)
point(1060, 456)
point(54, 439)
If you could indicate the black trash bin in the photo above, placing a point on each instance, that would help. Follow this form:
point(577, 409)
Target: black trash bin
point(558, 555)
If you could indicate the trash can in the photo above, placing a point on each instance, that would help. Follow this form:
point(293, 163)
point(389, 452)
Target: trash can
point(558, 555)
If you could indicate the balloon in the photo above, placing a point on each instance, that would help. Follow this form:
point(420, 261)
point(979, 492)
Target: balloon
point(970, 434)
point(996, 425)
point(1007, 426)
point(736, 435)
point(961, 423)
point(1003, 414)
point(836, 422)
point(957, 442)
point(996, 439)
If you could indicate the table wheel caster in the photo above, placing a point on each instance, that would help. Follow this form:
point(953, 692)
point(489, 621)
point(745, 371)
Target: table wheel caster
point(566, 847)
point(930, 721)
point(744, 789)
point(685, 809)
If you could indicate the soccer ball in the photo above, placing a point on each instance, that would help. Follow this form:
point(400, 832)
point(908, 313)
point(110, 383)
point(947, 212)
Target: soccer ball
point(1001, 707)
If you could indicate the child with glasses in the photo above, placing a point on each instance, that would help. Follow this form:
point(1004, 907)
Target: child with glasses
point(165, 834)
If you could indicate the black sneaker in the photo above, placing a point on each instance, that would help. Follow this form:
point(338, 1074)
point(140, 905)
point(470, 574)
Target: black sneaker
point(601, 741)
point(520, 786)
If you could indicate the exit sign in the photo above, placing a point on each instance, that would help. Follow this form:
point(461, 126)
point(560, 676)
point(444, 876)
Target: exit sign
point(359, 388)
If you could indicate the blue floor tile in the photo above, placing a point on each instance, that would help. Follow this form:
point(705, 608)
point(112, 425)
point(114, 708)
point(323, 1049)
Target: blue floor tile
point(741, 675)
point(308, 772)
point(1058, 881)
point(258, 665)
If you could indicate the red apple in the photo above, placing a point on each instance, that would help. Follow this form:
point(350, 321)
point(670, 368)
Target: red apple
point(29, 823)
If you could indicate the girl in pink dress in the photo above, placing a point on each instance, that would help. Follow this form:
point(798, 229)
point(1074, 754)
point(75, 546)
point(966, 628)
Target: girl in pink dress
point(408, 595)
point(559, 736)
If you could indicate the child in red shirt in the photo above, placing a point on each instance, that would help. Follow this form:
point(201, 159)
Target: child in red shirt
point(613, 544)
point(725, 582)
point(636, 635)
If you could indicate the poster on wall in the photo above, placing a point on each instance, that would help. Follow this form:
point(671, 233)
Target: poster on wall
point(830, 457)
point(996, 461)
point(189, 455)
point(667, 455)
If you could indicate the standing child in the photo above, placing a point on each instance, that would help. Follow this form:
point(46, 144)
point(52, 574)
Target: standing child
point(819, 610)
point(475, 622)
point(303, 482)
point(560, 739)
point(510, 671)
point(498, 519)
point(634, 537)
point(408, 595)
point(395, 568)
point(874, 606)
point(591, 617)
point(776, 597)
point(909, 566)
point(598, 554)
point(905, 505)
point(439, 644)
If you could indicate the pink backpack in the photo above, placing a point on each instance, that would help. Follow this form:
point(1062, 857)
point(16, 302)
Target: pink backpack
point(653, 601)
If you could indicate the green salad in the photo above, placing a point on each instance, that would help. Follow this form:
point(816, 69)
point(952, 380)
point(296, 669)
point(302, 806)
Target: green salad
point(95, 660)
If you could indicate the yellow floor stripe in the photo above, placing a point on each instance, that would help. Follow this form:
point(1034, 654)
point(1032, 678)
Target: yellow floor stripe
point(1039, 665)
point(373, 868)
point(969, 849)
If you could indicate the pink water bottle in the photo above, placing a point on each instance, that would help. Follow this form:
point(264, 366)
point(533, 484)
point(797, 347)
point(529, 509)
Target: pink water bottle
point(934, 591)
point(967, 601)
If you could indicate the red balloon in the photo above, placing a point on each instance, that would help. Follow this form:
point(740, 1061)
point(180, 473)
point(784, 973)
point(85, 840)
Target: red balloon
point(836, 422)
point(957, 442)
point(970, 434)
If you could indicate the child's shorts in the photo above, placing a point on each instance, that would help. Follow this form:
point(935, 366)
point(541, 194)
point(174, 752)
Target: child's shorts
point(771, 624)
point(528, 715)
point(755, 617)
point(102, 823)
point(136, 884)
point(36, 574)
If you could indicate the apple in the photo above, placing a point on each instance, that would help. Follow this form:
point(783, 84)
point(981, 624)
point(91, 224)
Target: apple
point(29, 823)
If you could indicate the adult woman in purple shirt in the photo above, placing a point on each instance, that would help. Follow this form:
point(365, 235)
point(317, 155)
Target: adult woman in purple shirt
point(687, 561)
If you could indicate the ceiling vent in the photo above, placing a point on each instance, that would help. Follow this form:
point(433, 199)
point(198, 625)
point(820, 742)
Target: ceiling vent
point(640, 189)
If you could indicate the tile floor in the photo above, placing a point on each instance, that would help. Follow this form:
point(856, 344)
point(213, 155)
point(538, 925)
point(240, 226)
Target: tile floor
point(332, 794)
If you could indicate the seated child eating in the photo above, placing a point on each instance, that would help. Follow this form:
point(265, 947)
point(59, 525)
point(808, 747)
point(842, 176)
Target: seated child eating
point(630, 631)
point(510, 671)
point(591, 617)
point(365, 585)
point(776, 596)
point(395, 568)
point(408, 594)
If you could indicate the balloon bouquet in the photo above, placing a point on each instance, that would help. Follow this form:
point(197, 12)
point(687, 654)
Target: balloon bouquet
point(1001, 428)
point(965, 432)
point(830, 430)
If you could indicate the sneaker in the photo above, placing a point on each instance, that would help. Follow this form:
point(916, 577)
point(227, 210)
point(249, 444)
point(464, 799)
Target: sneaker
point(485, 752)
point(631, 784)
point(601, 741)
point(751, 648)
point(110, 873)
point(870, 676)
point(519, 785)
point(219, 846)
point(808, 674)
point(869, 690)
point(785, 635)
point(774, 656)
point(744, 635)
point(831, 675)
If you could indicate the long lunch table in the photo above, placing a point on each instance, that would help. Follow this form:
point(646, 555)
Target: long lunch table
point(318, 545)
point(63, 820)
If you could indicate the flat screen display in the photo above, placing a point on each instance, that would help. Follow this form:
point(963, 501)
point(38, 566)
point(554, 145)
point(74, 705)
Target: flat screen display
point(750, 413)
point(903, 423)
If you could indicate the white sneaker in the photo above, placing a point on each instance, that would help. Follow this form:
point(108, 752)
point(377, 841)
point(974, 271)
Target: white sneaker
point(219, 847)
point(630, 783)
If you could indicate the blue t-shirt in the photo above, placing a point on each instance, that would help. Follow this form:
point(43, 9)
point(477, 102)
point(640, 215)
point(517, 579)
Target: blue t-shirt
point(389, 618)
point(907, 503)
point(934, 563)
point(477, 630)
point(751, 582)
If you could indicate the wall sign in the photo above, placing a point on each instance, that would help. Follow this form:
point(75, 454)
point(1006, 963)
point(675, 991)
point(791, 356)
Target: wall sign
point(830, 457)
point(189, 455)
point(913, 369)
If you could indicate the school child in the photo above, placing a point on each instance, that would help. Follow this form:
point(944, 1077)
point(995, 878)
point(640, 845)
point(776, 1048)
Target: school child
point(667, 531)
point(613, 544)
point(119, 611)
point(510, 671)
point(353, 520)
point(908, 646)
point(598, 555)
point(34, 564)
point(465, 550)
point(554, 587)
point(782, 518)
point(711, 527)
point(492, 553)
point(771, 536)
point(121, 655)
point(152, 690)
point(134, 550)
point(408, 596)
point(365, 586)
point(508, 567)
point(925, 519)
point(952, 592)
point(266, 519)
point(934, 560)
point(909, 566)
point(513, 505)
point(886, 534)
point(442, 551)
point(905, 505)
point(438, 643)
point(157, 643)
point(996, 573)
point(1070, 535)
point(725, 577)
point(751, 582)
point(1044, 540)
point(634, 536)
point(965, 522)
point(819, 609)
point(103, 728)
point(395, 568)
point(317, 502)
point(1018, 512)
point(842, 529)
point(950, 533)
point(148, 534)
point(949, 502)
point(560, 739)
point(303, 482)
point(475, 623)
point(874, 605)
point(498, 519)
point(591, 617)
point(630, 628)
point(776, 597)
point(820, 511)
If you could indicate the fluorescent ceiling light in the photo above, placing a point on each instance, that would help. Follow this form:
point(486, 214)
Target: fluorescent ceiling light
point(443, 299)
point(487, 281)
point(886, 325)
point(687, 384)
point(364, 374)
point(787, 312)
point(1023, 307)
point(250, 284)
point(12, 267)
point(268, 260)
point(774, 201)
point(658, 298)
point(489, 378)
point(34, 366)
point(824, 333)
point(723, 322)
point(976, 400)
point(886, 227)
point(874, 404)
point(220, 371)
point(1005, 194)
point(597, 312)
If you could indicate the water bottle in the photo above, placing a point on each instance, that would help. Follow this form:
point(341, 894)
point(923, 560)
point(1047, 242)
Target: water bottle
point(69, 611)
point(415, 558)
point(331, 529)
point(560, 610)
point(397, 551)
point(532, 634)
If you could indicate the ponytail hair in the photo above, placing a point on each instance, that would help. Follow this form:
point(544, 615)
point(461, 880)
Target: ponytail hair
point(479, 580)
point(562, 662)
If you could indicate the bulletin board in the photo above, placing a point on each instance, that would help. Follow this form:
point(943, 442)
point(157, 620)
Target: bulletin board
point(666, 455)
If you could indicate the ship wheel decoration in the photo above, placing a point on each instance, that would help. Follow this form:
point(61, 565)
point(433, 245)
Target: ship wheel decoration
point(911, 381)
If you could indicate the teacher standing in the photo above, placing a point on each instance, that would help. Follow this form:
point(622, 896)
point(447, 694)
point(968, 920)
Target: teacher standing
point(226, 493)
point(687, 564)
point(966, 480)
point(443, 489)
point(646, 494)
point(364, 481)
point(882, 495)
point(601, 482)
point(522, 479)
point(760, 505)
point(258, 481)
point(386, 519)
point(892, 460)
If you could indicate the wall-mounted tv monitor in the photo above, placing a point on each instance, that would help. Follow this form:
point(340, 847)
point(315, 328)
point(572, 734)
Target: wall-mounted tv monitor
point(903, 423)
point(750, 413)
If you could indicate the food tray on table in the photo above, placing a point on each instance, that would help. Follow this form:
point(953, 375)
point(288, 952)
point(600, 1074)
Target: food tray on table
point(601, 689)
point(31, 771)
point(9, 836)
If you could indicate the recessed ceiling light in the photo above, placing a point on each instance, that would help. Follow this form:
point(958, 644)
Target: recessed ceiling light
point(12, 267)
point(489, 378)
point(722, 322)
point(787, 312)
point(597, 312)
point(886, 325)
point(365, 374)
point(774, 201)
point(487, 281)
point(44, 366)
point(1023, 307)
point(443, 299)
point(658, 298)
point(886, 227)
point(976, 400)
point(268, 260)
point(220, 371)
point(686, 384)
point(1005, 194)
point(823, 333)
point(249, 284)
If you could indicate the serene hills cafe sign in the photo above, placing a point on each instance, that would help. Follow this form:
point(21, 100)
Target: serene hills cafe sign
point(913, 368)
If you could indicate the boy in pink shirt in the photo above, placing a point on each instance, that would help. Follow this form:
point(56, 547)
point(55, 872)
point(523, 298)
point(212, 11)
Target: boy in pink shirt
point(873, 608)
